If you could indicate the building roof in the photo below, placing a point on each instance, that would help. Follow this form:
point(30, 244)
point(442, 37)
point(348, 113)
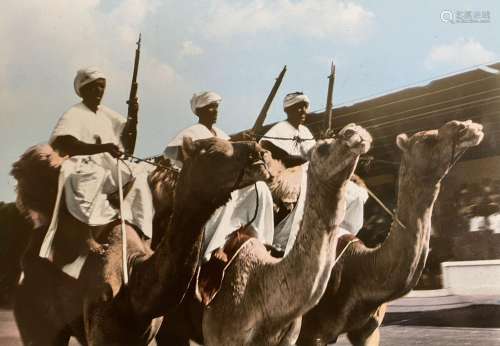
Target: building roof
point(474, 95)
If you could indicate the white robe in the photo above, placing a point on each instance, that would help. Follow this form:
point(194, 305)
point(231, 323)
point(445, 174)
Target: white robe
point(195, 132)
point(286, 231)
point(284, 129)
point(239, 210)
point(88, 179)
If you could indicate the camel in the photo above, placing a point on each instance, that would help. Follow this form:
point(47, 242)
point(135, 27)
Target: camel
point(262, 298)
point(97, 308)
point(365, 279)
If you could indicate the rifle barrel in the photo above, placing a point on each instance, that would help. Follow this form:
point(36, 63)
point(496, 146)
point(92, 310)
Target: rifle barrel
point(133, 88)
point(329, 99)
point(259, 122)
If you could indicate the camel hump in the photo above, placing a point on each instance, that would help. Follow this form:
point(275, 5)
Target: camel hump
point(286, 186)
point(212, 272)
point(36, 173)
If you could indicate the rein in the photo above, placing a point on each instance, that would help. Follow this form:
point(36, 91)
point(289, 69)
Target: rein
point(295, 138)
point(147, 160)
point(256, 207)
point(238, 180)
point(454, 159)
point(367, 159)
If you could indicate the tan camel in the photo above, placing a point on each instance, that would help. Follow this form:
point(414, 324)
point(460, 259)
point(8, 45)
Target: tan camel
point(262, 298)
point(97, 308)
point(365, 279)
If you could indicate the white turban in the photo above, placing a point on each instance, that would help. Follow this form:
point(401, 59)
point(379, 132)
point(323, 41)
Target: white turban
point(202, 99)
point(294, 98)
point(86, 76)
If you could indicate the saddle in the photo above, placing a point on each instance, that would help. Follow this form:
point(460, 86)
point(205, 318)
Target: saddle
point(211, 273)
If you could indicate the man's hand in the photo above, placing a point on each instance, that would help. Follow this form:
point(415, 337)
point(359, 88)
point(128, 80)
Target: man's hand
point(112, 149)
point(249, 135)
point(329, 133)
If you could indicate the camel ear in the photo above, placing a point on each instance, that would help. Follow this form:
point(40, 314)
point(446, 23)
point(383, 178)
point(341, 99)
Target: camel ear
point(402, 141)
point(188, 148)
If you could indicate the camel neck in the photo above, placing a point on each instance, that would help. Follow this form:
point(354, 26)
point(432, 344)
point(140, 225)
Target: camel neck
point(405, 250)
point(307, 267)
point(169, 271)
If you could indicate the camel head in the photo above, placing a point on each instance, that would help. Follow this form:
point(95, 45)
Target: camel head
point(215, 167)
point(36, 173)
point(338, 156)
point(430, 154)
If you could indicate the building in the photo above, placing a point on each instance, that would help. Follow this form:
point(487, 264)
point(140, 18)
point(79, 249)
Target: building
point(466, 218)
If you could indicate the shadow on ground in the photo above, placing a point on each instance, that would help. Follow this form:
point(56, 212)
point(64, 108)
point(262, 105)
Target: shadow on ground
point(476, 316)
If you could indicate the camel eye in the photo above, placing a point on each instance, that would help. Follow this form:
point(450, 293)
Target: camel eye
point(323, 149)
point(429, 140)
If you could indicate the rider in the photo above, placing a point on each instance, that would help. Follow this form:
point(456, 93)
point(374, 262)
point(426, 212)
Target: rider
point(92, 136)
point(240, 209)
point(290, 141)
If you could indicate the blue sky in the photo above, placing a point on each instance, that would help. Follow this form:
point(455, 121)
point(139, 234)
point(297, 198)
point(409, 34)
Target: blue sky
point(233, 47)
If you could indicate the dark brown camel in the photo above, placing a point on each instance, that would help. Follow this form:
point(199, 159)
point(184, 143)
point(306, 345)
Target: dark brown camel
point(97, 308)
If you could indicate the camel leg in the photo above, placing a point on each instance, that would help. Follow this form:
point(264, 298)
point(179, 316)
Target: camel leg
point(34, 308)
point(369, 334)
point(35, 312)
point(170, 336)
point(107, 300)
point(183, 323)
point(365, 336)
point(372, 339)
point(292, 334)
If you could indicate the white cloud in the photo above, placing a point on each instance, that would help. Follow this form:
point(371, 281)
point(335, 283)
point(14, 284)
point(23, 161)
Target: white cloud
point(61, 36)
point(460, 53)
point(45, 42)
point(310, 18)
point(188, 48)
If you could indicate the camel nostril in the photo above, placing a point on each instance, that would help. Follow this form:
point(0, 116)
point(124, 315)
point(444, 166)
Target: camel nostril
point(348, 133)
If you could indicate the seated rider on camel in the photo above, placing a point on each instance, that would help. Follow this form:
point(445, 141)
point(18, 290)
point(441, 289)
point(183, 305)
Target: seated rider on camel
point(243, 206)
point(290, 142)
point(94, 136)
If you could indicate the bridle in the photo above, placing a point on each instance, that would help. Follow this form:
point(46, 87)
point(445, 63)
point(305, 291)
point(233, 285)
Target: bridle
point(249, 162)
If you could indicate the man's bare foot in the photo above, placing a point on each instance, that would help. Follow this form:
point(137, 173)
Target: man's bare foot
point(96, 247)
point(220, 255)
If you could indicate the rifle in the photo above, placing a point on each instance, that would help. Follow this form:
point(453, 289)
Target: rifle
point(129, 134)
point(257, 126)
point(329, 99)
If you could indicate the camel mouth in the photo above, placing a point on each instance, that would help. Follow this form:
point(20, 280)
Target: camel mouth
point(258, 163)
point(360, 147)
point(356, 138)
point(260, 170)
point(470, 136)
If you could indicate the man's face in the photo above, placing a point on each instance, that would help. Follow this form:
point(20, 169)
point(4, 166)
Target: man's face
point(92, 93)
point(208, 114)
point(296, 114)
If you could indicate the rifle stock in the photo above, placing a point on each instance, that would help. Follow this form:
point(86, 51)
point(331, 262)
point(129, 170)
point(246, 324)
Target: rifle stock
point(259, 122)
point(129, 134)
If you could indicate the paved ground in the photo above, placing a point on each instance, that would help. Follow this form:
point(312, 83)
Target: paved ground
point(402, 329)
point(413, 336)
